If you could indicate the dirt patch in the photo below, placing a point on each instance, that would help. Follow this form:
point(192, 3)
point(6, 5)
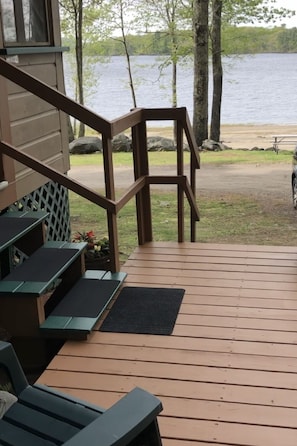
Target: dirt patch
point(262, 181)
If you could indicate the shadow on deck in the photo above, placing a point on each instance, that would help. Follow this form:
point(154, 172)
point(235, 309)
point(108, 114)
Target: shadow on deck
point(228, 373)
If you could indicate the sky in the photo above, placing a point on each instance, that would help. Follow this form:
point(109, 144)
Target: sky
point(288, 4)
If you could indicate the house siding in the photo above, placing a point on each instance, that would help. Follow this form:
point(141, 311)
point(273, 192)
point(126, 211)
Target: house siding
point(29, 123)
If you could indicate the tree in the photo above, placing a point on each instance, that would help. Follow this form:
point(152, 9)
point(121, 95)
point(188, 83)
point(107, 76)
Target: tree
point(201, 72)
point(81, 17)
point(121, 19)
point(170, 17)
point(127, 54)
point(217, 70)
point(240, 11)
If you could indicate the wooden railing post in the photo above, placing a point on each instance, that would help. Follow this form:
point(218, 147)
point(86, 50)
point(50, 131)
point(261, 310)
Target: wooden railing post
point(141, 168)
point(110, 193)
point(193, 187)
point(194, 165)
point(180, 191)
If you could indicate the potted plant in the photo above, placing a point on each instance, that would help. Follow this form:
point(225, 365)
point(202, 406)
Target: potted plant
point(97, 254)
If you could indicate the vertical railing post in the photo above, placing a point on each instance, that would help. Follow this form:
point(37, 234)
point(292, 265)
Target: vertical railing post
point(110, 193)
point(193, 187)
point(141, 168)
point(180, 171)
point(194, 164)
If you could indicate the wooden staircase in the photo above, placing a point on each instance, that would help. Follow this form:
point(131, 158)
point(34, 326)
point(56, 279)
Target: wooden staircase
point(49, 295)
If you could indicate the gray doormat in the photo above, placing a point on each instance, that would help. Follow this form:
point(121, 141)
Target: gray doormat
point(144, 311)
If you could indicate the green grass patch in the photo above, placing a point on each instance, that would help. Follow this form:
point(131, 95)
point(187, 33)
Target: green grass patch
point(169, 158)
point(231, 219)
point(86, 216)
point(234, 218)
point(246, 157)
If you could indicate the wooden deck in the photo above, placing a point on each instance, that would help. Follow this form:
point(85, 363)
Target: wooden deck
point(228, 373)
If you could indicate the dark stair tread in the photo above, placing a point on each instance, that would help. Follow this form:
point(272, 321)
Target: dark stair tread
point(81, 308)
point(14, 225)
point(42, 268)
point(86, 298)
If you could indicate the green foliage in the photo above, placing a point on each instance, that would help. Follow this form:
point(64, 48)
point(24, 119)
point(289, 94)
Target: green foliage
point(249, 40)
point(235, 40)
point(248, 12)
point(287, 40)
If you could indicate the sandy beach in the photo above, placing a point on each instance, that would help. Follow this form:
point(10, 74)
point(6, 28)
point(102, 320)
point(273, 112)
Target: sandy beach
point(238, 136)
point(250, 136)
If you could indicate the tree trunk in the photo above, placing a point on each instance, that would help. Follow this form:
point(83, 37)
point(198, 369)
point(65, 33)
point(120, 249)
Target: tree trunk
point(79, 59)
point(217, 70)
point(127, 54)
point(71, 136)
point(131, 82)
point(200, 29)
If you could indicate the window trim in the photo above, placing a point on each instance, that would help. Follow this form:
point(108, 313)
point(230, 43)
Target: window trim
point(20, 28)
point(14, 51)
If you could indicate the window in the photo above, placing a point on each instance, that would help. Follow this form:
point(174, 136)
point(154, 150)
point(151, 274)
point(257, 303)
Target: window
point(25, 22)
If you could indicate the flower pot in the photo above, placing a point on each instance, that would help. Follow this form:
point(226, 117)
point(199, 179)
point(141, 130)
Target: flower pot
point(99, 263)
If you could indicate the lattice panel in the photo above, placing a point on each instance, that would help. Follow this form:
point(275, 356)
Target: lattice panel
point(52, 198)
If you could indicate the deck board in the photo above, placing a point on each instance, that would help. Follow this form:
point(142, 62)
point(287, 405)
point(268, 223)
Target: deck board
point(228, 373)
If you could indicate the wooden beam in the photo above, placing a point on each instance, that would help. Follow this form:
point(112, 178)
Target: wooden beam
point(58, 177)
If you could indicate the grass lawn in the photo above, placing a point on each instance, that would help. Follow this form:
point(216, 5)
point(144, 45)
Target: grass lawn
point(255, 224)
point(169, 158)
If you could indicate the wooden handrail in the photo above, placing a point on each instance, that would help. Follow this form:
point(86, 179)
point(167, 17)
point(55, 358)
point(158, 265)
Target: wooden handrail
point(136, 120)
point(57, 176)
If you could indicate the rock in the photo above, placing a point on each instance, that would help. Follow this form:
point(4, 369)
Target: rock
point(121, 143)
point(255, 149)
point(214, 146)
point(159, 144)
point(85, 145)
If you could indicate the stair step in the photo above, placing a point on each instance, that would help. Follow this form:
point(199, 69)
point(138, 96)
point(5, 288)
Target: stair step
point(24, 230)
point(76, 315)
point(14, 225)
point(38, 273)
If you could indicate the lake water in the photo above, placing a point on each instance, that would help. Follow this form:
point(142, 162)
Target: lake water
point(258, 89)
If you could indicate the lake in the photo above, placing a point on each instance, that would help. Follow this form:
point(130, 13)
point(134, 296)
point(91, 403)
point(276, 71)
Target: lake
point(257, 89)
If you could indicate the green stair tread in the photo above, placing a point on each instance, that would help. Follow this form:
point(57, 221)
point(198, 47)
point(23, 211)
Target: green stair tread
point(70, 316)
point(75, 328)
point(115, 276)
point(40, 215)
point(34, 288)
point(67, 245)
point(69, 323)
point(94, 274)
point(57, 322)
point(104, 275)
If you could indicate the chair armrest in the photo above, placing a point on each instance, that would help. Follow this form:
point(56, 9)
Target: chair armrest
point(10, 362)
point(123, 422)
